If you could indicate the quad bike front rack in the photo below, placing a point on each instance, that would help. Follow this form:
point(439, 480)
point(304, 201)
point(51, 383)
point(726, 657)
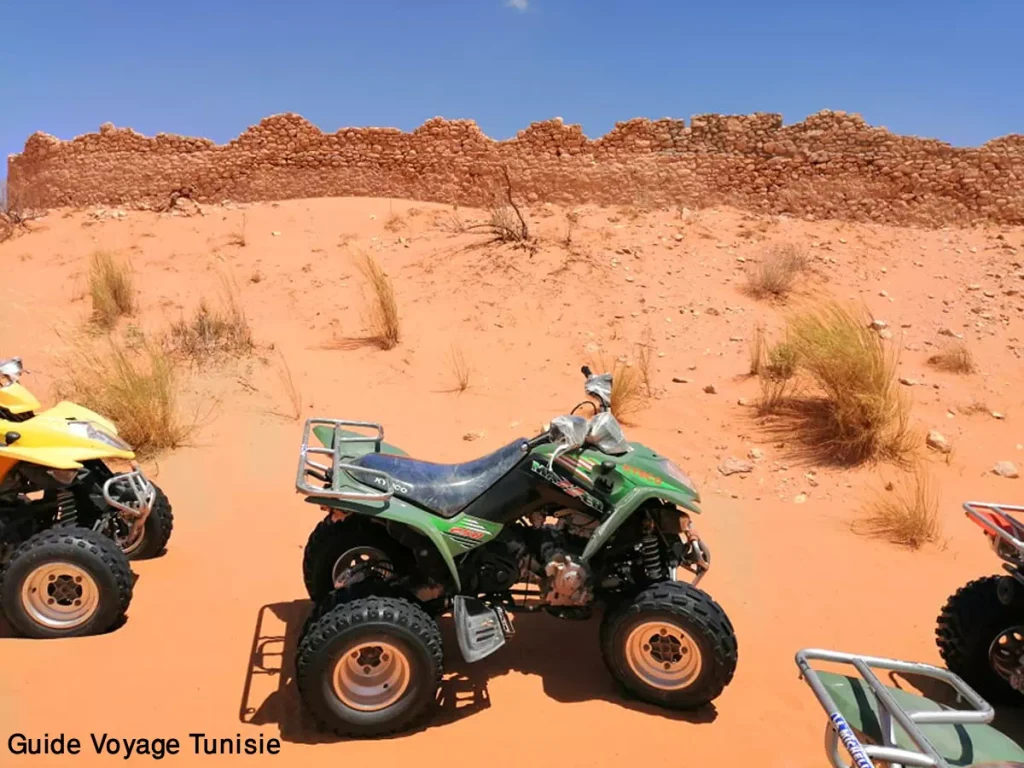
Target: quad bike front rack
point(890, 712)
point(332, 474)
point(131, 494)
point(1005, 532)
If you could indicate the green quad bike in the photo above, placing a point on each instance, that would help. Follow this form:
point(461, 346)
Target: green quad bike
point(570, 519)
point(980, 632)
point(880, 725)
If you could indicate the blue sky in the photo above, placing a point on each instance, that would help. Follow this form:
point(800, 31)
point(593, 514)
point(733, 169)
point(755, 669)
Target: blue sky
point(950, 69)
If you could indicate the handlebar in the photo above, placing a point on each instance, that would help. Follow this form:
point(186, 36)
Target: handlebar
point(585, 370)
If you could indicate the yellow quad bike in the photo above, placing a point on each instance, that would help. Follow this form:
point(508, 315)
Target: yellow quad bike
point(68, 523)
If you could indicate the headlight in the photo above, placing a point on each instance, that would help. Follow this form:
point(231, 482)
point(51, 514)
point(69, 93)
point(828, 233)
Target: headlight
point(673, 471)
point(89, 431)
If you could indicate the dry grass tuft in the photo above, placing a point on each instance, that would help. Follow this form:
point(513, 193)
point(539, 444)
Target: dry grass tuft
point(863, 414)
point(394, 222)
point(238, 238)
point(210, 332)
point(382, 317)
point(775, 275)
point(954, 357)
point(628, 395)
point(284, 373)
point(777, 368)
point(137, 390)
point(451, 222)
point(112, 288)
point(758, 349)
point(461, 370)
point(644, 355)
point(572, 218)
point(906, 515)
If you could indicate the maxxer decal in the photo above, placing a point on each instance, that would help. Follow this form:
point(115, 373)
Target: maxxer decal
point(565, 486)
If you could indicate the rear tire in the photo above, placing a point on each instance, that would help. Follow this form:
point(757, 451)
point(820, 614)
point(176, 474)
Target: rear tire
point(330, 542)
point(671, 645)
point(157, 531)
point(66, 582)
point(972, 619)
point(370, 667)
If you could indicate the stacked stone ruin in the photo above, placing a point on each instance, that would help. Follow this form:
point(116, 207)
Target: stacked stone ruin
point(831, 165)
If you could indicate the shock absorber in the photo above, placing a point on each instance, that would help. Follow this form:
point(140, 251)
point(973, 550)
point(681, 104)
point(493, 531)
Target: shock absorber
point(654, 568)
point(67, 508)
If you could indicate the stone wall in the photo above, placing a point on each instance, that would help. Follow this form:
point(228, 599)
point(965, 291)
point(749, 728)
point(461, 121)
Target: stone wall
point(830, 165)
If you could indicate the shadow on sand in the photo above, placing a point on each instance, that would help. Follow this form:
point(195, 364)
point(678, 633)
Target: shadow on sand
point(565, 654)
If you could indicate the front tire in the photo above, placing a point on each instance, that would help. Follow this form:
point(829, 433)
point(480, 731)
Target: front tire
point(370, 667)
point(156, 532)
point(66, 582)
point(671, 645)
point(967, 631)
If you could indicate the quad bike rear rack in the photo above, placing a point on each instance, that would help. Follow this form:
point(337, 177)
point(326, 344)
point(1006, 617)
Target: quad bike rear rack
point(1005, 532)
point(890, 712)
point(340, 483)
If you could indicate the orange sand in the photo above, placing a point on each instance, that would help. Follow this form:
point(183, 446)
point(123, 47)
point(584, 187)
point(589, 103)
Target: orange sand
point(209, 638)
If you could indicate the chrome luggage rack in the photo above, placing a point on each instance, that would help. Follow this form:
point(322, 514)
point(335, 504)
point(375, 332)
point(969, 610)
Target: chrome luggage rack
point(332, 474)
point(890, 713)
point(1012, 550)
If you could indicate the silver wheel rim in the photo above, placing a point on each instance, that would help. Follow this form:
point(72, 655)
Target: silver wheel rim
point(60, 595)
point(663, 656)
point(353, 560)
point(371, 676)
point(1006, 653)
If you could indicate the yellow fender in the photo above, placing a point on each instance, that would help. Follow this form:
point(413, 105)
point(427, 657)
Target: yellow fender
point(46, 440)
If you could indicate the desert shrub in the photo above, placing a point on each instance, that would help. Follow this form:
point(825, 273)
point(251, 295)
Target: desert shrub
point(864, 414)
point(954, 357)
point(137, 390)
point(775, 275)
point(394, 222)
point(112, 288)
point(906, 515)
point(213, 331)
point(382, 315)
point(460, 368)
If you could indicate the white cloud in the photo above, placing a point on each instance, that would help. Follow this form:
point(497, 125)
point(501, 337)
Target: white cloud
point(519, 5)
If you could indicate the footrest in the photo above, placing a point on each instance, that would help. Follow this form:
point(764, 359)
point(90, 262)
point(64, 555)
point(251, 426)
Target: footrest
point(480, 630)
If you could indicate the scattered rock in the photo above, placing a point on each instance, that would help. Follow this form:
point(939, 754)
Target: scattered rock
point(878, 325)
point(732, 466)
point(680, 380)
point(937, 441)
point(1006, 469)
point(470, 436)
point(755, 453)
point(908, 382)
point(997, 415)
point(275, 233)
point(885, 333)
point(710, 389)
point(800, 498)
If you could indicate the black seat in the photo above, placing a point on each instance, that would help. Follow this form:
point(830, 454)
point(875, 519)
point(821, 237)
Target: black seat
point(445, 489)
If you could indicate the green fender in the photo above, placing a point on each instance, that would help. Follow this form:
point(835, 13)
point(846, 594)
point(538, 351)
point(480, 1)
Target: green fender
point(629, 504)
point(451, 537)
